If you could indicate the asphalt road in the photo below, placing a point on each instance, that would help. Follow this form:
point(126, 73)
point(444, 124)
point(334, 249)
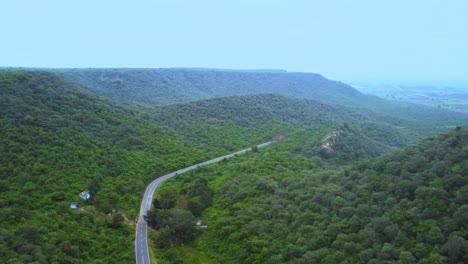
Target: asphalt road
point(141, 242)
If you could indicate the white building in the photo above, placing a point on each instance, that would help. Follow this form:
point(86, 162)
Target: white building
point(201, 224)
point(74, 205)
point(85, 195)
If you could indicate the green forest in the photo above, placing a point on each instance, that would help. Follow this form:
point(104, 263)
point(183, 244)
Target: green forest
point(322, 193)
point(276, 206)
point(168, 86)
point(152, 87)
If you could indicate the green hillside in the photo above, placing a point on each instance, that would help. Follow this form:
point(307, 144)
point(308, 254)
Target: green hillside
point(58, 140)
point(169, 86)
point(212, 120)
point(276, 206)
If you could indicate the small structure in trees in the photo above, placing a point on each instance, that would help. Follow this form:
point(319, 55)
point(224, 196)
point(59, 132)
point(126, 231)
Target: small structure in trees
point(85, 195)
point(201, 224)
point(74, 205)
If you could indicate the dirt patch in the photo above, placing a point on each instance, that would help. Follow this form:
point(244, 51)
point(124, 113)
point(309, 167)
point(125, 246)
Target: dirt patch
point(276, 137)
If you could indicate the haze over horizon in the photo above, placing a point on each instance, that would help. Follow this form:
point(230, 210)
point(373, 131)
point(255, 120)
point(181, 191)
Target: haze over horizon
point(346, 40)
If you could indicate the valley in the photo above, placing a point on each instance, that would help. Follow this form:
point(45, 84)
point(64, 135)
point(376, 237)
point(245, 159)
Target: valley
point(452, 97)
point(276, 206)
point(348, 166)
point(233, 132)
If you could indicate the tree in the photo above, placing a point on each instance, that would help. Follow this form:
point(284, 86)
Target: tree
point(31, 233)
point(151, 217)
point(182, 225)
point(406, 258)
point(117, 219)
point(195, 207)
point(163, 237)
point(456, 248)
point(461, 216)
point(167, 198)
point(156, 203)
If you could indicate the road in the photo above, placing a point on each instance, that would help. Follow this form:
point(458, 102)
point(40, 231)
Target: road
point(141, 242)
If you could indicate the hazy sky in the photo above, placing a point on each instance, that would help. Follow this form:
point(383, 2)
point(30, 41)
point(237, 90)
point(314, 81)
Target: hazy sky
point(343, 40)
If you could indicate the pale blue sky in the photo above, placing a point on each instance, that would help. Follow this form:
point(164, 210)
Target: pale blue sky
point(343, 40)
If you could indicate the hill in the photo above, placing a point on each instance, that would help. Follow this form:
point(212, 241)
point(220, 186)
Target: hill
point(213, 121)
point(275, 206)
point(169, 86)
point(58, 140)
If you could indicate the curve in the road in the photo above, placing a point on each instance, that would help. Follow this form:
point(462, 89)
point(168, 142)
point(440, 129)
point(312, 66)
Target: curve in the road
point(141, 242)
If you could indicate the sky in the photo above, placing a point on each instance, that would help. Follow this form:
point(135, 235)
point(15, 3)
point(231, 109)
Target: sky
point(342, 40)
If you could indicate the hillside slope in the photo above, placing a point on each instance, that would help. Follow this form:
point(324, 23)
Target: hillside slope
point(168, 86)
point(58, 140)
point(279, 114)
point(274, 206)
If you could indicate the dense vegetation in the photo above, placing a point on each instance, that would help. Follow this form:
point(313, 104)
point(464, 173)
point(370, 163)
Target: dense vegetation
point(168, 86)
point(275, 206)
point(58, 140)
point(212, 120)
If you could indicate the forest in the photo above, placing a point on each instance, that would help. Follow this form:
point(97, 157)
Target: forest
point(277, 206)
point(61, 137)
point(169, 86)
point(152, 87)
point(58, 140)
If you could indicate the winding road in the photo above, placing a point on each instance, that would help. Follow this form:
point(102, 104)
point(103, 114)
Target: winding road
point(141, 241)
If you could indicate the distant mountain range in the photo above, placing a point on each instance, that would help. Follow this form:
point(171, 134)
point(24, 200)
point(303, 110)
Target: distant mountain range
point(168, 86)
